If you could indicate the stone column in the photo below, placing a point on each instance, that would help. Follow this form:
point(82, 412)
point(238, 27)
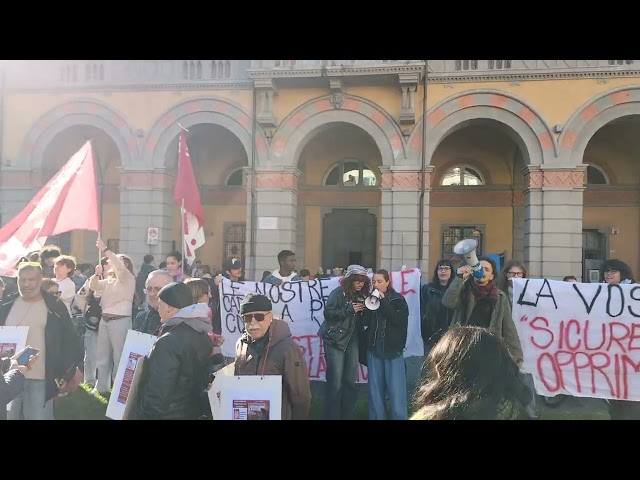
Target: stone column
point(276, 216)
point(553, 224)
point(400, 199)
point(146, 200)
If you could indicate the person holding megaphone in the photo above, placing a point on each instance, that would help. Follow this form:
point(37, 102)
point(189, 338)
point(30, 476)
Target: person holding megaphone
point(476, 300)
point(387, 319)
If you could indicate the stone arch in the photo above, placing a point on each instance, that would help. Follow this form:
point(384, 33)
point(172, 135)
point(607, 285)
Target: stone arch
point(592, 116)
point(213, 110)
point(295, 131)
point(70, 114)
point(519, 119)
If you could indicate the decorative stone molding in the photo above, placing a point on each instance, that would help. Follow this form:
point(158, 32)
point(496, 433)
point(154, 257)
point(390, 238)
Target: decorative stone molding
point(265, 90)
point(74, 113)
point(527, 128)
point(563, 178)
point(287, 180)
point(408, 85)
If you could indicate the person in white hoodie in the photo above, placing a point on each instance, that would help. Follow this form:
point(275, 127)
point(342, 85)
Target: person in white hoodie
point(175, 375)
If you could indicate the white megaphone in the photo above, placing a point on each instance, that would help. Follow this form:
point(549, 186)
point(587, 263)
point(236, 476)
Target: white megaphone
point(467, 248)
point(373, 301)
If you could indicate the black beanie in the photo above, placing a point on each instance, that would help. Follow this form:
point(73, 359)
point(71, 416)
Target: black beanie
point(254, 302)
point(177, 295)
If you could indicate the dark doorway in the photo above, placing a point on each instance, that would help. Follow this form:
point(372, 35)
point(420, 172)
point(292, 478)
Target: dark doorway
point(349, 236)
point(594, 252)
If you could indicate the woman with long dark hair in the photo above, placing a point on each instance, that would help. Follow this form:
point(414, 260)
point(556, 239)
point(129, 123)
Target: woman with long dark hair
point(479, 302)
point(386, 336)
point(471, 376)
point(339, 333)
point(435, 316)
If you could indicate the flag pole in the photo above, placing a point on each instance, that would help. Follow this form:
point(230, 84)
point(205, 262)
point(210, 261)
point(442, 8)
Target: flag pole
point(182, 234)
point(184, 260)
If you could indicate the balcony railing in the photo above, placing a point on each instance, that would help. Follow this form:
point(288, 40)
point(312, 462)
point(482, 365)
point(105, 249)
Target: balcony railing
point(27, 74)
point(185, 74)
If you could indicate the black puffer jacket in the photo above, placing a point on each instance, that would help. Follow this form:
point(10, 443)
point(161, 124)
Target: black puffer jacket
point(435, 317)
point(390, 322)
point(63, 350)
point(340, 320)
point(176, 372)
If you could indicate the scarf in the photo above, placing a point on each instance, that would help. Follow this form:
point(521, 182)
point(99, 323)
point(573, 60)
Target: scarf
point(486, 297)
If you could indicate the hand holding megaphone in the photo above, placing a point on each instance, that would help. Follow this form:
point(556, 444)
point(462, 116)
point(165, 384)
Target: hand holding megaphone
point(373, 301)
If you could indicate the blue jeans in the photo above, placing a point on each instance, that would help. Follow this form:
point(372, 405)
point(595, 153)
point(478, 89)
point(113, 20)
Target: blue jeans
point(342, 375)
point(31, 404)
point(387, 377)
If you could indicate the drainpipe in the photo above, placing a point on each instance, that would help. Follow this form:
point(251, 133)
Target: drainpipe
point(424, 166)
point(252, 243)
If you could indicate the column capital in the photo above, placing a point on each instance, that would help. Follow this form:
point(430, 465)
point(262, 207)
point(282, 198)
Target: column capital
point(404, 177)
point(561, 177)
point(280, 179)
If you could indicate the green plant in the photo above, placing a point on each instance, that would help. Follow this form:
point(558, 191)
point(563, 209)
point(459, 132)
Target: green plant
point(81, 405)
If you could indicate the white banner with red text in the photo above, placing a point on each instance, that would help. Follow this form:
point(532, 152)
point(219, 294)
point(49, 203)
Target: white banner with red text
point(301, 305)
point(578, 338)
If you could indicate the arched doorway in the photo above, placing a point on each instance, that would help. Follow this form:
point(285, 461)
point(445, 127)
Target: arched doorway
point(611, 214)
point(339, 198)
point(477, 192)
point(57, 152)
point(219, 159)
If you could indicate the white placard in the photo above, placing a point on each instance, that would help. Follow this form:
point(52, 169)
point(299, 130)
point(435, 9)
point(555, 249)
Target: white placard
point(267, 223)
point(246, 397)
point(12, 340)
point(580, 339)
point(136, 345)
point(301, 305)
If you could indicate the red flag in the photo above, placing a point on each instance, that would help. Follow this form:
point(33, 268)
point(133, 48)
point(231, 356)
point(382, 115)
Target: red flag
point(187, 190)
point(69, 201)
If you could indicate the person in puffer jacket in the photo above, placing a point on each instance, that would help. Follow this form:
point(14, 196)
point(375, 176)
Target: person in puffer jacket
point(176, 371)
point(435, 317)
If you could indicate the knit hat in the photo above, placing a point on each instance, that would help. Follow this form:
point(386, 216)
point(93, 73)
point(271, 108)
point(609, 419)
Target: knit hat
point(177, 295)
point(356, 270)
point(254, 302)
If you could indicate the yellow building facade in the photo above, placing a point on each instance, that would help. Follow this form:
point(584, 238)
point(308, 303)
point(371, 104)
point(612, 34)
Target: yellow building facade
point(333, 159)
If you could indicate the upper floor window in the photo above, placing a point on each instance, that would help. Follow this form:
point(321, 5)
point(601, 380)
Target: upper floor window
point(499, 64)
point(452, 234)
point(596, 176)
point(466, 64)
point(462, 175)
point(620, 62)
point(351, 173)
point(236, 179)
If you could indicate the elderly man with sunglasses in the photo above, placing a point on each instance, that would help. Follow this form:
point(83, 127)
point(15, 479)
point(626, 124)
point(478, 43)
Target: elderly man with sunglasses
point(267, 348)
point(148, 320)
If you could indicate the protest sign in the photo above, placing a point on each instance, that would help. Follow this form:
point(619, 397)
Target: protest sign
point(301, 305)
point(246, 397)
point(580, 339)
point(136, 346)
point(12, 340)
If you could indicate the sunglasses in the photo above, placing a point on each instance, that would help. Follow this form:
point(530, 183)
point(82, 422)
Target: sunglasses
point(258, 316)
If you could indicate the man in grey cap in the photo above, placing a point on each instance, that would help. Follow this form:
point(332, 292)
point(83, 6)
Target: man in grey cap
point(267, 348)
